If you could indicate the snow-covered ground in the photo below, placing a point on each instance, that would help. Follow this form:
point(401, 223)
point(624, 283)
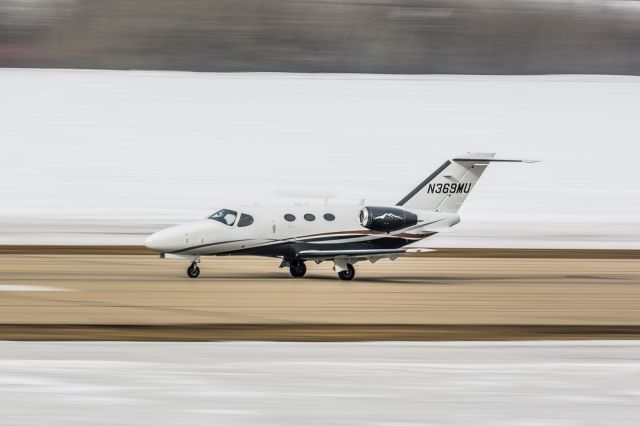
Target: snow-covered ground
point(394, 383)
point(105, 157)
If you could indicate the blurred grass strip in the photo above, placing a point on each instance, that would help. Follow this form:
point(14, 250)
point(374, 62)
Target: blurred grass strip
point(315, 332)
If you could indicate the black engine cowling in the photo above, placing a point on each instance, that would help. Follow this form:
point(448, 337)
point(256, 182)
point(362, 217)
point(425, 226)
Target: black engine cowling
point(386, 219)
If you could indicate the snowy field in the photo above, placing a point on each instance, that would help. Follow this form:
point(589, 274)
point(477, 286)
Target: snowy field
point(516, 383)
point(106, 157)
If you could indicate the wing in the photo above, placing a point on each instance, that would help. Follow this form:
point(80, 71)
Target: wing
point(358, 254)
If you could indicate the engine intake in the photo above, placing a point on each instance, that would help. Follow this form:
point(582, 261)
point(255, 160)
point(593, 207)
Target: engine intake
point(386, 219)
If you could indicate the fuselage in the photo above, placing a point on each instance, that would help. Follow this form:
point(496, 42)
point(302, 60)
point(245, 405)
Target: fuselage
point(287, 231)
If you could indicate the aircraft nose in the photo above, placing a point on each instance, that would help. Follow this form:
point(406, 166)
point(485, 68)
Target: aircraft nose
point(163, 241)
point(153, 242)
point(178, 237)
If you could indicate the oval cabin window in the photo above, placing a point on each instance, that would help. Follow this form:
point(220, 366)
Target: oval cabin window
point(245, 220)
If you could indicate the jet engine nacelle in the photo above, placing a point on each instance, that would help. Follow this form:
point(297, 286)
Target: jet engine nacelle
point(386, 219)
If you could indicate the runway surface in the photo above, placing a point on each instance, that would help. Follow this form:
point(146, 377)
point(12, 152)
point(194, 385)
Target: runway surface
point(141, 297)
point(500, 383)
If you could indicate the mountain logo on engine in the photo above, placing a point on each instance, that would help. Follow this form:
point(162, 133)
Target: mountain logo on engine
point(388, 216)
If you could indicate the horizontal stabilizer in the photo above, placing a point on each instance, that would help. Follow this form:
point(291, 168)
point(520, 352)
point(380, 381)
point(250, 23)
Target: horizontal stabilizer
point(488, 157)
point(497, 160)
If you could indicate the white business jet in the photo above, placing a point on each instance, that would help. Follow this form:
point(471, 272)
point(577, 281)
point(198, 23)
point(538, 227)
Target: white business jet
point(343, 235)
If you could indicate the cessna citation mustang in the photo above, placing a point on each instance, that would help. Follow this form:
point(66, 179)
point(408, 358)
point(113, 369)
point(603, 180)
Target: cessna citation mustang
point(341, 234)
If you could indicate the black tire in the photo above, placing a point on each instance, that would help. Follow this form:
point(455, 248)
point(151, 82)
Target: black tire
point(297, 269)
point(193, 271)
point(349, 274)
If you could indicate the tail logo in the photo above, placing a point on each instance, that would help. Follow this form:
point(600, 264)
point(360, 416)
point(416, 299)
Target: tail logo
point(449, 188)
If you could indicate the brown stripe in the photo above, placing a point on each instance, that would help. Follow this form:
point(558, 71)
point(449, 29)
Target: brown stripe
point(314, 332)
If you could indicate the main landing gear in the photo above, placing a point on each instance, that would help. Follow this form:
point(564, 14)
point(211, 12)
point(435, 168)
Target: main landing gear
point(346, 271)
point(297, 268)
point(193, 271)
point(348, 274)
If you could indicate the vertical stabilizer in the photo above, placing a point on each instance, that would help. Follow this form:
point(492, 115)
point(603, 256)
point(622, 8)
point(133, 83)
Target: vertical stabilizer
point(446, 189)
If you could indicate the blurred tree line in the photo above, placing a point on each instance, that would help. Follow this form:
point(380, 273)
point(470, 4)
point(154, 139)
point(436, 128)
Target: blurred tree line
point(360, 36)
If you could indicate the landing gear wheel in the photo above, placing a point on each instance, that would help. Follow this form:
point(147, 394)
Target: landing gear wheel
point(348, 274)
point(193, 271)
point(297, 269)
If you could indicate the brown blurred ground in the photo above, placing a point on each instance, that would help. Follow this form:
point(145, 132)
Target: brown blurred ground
point(141, 297)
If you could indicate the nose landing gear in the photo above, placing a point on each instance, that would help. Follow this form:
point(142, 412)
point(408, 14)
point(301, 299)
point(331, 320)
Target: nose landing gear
point(193, 271)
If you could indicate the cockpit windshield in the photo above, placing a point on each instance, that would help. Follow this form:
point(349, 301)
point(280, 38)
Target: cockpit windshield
point(226, 216)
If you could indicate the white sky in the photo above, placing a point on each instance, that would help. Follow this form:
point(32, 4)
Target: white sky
point(141, 149)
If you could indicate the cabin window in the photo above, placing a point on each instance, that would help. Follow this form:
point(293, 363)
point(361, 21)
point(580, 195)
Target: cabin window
point(226, 216)
point(329, 217)
point(289, 217)
point(245, 220)
point(309, 217)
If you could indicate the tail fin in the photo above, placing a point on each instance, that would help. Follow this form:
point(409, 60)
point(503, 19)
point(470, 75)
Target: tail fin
point(447, 188)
